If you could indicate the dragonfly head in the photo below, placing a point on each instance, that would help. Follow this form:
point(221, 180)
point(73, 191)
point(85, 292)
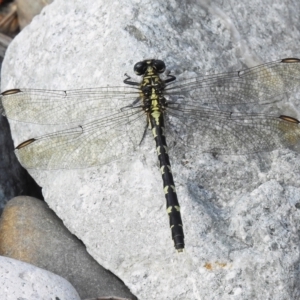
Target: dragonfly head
point(151, 66)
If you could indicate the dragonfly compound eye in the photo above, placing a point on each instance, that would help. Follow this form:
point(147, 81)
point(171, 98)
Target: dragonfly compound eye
point(140, 68)
point(159, 66)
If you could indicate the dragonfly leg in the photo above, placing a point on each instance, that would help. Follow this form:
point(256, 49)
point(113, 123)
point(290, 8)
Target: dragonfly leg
point(170, 78)
point(127, 80)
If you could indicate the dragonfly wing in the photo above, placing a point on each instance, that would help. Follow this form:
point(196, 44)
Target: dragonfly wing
point(59, 107)
point(261, 85)
point(232, 133)
point(96, 143)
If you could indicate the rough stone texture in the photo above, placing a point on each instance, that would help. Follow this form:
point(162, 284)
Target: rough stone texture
point(20, 280)
point(31, 232)
point(240, 214)
point(107, 298)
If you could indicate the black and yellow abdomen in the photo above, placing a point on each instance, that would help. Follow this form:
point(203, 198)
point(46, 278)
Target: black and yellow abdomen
point(173, 208)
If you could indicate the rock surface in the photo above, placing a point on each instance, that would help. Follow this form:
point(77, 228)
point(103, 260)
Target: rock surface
point(240, 214)
point(20, 280)
point(31, 232)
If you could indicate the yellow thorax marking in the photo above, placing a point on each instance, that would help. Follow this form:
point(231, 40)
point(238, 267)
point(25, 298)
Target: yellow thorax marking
point(155, 106)
point(152, 79)
point(146, 81)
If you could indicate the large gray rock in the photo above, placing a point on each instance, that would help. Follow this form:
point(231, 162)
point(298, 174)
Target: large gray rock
point(240, 213)
point(20, 280)
point(31, 232)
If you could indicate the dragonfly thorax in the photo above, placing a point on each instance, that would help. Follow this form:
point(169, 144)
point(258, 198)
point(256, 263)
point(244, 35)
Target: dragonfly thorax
point(152, 94)
point(155, 104)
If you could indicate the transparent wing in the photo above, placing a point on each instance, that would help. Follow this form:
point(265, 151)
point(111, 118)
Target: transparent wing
point(261, 85)
point(59, 107)
point(231, 133)
point(201, 115)
point(92, 144)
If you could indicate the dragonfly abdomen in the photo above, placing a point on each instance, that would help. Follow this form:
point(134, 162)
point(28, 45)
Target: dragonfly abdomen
point(173, 207)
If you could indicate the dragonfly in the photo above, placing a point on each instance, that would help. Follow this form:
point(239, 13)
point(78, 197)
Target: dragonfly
point(228, 113)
